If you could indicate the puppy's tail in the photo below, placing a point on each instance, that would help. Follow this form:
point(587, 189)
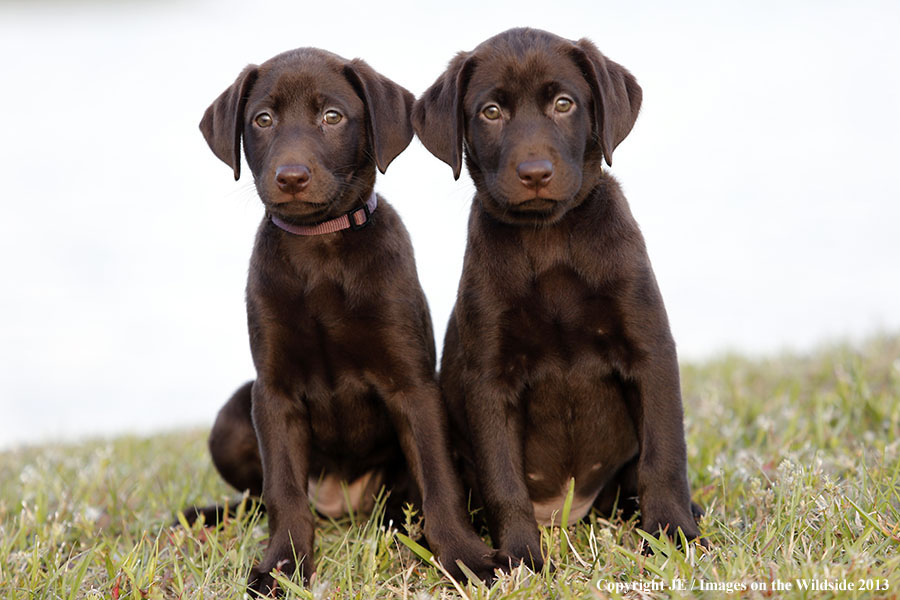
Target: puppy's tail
point(214, 514)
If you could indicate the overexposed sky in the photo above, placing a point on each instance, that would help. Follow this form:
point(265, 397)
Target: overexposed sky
point(763, 170)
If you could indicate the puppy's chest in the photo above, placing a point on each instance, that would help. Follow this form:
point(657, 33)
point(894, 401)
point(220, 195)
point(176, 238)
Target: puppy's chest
point(331, 343)
point(324, 332)
point(560, 316)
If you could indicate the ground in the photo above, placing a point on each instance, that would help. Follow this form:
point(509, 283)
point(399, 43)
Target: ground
point(796, 460)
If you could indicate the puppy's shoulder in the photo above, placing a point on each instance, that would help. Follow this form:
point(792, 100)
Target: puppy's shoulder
point(390, 233)
point(606, 213)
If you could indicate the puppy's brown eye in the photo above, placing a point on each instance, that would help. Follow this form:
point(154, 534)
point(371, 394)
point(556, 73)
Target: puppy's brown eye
point(563, 104)
point(264, 120)
point(491, 112)
point(332, 117)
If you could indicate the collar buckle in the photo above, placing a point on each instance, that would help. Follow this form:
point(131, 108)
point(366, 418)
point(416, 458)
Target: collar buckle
point(352, 221)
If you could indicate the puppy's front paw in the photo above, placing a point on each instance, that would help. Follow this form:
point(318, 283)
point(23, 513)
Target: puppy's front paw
point(524, 545)
point(670, 519)
point(261, 583)
point(483, 563)
point(469, 549)
point(697, 511)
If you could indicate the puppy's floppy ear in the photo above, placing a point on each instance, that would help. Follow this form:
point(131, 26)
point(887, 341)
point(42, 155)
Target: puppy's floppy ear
point(617, 95)
point(223, 121)
point(388, 107)
point(438, 116)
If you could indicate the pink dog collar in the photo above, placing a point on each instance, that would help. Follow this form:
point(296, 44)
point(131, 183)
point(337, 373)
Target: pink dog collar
point(355, 219)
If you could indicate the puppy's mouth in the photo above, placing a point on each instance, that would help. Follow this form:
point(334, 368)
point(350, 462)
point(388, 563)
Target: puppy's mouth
point(299, 212)
point(534, 206)
point(533, 211)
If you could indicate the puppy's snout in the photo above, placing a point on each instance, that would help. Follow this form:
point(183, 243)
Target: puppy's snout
point(535, 174)
point(292, 178)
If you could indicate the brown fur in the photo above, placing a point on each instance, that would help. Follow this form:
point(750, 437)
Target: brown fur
point(339, 327)
point(558, 362)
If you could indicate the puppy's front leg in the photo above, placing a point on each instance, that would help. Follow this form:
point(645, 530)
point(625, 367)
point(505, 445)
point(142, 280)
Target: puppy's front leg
point(491, 396)
point(663, 490)
point(495, 423)
point(418, 417)
point(282, 427)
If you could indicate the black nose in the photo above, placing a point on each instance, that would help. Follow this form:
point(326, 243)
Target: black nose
point(535, 173)
point(292, 178)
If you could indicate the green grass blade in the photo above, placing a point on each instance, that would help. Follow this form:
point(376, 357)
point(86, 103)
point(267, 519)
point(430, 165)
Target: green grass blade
point(417, 549)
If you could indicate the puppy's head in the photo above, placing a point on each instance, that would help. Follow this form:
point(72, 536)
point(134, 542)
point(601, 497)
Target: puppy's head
point(314, 127)
point(536, 114)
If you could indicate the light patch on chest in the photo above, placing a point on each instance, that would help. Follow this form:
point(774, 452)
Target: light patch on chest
point(549, 511)
point(329, 497)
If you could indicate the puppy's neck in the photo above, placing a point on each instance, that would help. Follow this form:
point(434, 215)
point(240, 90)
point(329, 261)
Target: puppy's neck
point(354, 219)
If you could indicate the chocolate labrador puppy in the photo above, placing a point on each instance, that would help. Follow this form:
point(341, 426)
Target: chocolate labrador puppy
point(558, 362)
point(339, 327)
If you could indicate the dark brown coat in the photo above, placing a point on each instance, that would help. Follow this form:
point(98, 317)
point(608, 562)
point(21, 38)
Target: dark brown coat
point(558, 362)
point(339, 327)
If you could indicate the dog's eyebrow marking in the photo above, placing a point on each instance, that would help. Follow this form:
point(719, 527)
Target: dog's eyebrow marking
point(551, 87)
point(496, 95)
point(268, 101)
point(331, 101)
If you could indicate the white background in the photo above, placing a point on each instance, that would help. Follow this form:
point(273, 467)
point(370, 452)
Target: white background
point(763, 170)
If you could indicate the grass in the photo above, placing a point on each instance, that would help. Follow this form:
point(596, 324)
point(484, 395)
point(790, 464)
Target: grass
point(796, 459)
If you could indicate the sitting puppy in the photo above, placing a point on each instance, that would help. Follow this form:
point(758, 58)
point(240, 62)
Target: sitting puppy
point(339, 327)
point(558, 362)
